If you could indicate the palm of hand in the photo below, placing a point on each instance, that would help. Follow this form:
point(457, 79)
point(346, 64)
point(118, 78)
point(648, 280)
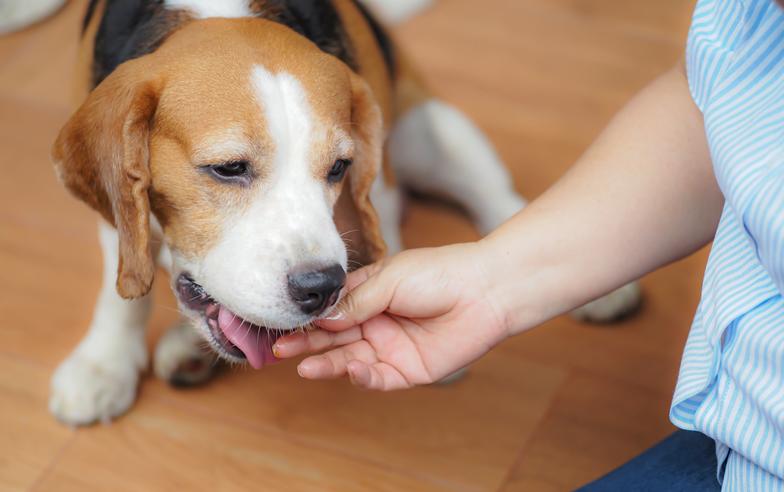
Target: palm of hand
point(402, 352)
point(437, 321)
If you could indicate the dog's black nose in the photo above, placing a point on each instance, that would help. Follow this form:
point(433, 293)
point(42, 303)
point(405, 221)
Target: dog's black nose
point(316, 290)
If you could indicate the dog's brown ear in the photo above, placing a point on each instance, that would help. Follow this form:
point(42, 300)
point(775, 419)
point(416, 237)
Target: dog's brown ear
point(368, 134)
point(102, 157)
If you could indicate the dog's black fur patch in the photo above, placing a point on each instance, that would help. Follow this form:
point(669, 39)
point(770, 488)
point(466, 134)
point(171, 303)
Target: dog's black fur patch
point(316, 20)
point(133, 28)
point(129, 29)
point(89, 14)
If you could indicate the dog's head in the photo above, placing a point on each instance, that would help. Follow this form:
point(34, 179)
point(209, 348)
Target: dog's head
point(247, 144)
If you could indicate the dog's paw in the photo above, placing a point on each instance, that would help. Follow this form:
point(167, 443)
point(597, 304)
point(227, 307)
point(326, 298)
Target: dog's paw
point(181, 358)
point(87, 390)
point(611, 307)
point(396, 11)
point(17, 14)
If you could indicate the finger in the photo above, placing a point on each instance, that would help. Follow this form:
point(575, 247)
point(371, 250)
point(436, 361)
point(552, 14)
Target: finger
point(358, 277)
point(377, 377)
point(333, 364)
point(319, 367)
point(369, 298)
point(313, 341)
point(354, 280)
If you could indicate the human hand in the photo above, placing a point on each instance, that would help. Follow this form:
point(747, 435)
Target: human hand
point(409, 320)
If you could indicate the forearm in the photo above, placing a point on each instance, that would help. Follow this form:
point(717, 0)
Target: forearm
point(642, 196)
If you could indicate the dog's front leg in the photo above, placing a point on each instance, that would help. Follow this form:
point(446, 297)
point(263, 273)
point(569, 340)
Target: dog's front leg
point(98, 381)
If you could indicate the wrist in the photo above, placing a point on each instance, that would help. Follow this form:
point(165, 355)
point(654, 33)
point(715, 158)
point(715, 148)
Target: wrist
point(497, 284)
point(517, 282)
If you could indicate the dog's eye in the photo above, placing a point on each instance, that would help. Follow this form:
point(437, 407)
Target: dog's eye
point(338, 170)
point(236, 171)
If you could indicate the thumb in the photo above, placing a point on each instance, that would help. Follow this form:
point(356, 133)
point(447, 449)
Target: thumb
point(370, 294)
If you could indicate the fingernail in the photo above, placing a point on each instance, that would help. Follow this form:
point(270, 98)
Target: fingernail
point(336, 315)
point(302, 369)
point(276, 351)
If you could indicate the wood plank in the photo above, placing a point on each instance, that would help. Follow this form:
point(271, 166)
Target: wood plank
point(467, 434)
point(164, 447)
point(592, 428)
point(30, 439)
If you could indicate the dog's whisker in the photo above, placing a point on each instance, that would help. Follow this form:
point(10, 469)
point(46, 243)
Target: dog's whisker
point(247, 332)
point(215, 360)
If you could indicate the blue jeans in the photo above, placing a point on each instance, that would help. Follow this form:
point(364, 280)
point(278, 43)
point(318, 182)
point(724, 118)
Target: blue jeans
point(684, 462)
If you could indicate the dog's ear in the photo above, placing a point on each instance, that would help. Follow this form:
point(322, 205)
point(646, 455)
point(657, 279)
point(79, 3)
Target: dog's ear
point(102, 157)
point(368, 135)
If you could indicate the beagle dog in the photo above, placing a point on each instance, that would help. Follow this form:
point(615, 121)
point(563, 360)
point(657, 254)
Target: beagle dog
point(256, 149)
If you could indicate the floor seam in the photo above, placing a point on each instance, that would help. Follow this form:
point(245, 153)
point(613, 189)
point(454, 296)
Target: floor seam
point(200, 410)
point(55, 459)
point(526, 443)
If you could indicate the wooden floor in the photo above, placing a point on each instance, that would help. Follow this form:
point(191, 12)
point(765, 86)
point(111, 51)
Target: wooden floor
point(544, 412)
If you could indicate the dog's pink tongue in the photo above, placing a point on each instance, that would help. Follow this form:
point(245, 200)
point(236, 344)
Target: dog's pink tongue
point(256, 346)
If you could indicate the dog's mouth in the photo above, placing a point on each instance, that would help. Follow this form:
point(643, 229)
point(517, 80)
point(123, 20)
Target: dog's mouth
point(231, 336)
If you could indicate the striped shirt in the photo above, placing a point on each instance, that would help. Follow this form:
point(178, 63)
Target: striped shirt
point(731, 383)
